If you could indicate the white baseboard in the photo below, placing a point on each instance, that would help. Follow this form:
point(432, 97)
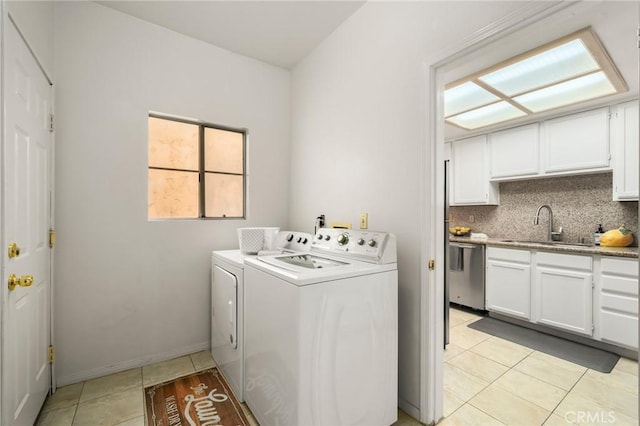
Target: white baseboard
point(81, 376)
point(409, 408)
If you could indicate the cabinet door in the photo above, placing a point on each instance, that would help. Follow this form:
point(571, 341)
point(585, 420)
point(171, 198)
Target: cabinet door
point(576, 142)
point(514, 152)
point(469, 173)
point(564, 298)
point(625, 140)
point(508, 288)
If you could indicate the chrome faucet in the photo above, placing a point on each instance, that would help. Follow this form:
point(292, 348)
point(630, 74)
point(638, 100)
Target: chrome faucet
point(551, 236)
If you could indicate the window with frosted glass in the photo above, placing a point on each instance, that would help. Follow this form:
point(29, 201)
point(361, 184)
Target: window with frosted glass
point(195, 170)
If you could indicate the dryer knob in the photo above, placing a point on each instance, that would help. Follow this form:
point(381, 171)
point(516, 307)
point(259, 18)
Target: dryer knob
point(372, 243)
point(343, 239)
point(360, 241)
point(327, 237)
point(320, 236)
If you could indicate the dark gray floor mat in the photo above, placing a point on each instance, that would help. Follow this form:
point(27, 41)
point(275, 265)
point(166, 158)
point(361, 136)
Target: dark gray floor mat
point(596, 359)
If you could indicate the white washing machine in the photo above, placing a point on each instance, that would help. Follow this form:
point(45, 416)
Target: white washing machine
point(321, 332)
point(227, 295)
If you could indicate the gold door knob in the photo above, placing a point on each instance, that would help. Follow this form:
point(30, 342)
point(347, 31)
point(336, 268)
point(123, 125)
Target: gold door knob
point(14, 250)
point(23, 281)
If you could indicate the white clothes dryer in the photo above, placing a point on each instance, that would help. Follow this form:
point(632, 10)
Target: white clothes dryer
point(227, 295)
point(321, 332)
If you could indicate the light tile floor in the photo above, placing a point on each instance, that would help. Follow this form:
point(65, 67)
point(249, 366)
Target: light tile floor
point(487, 381)
point(117, 399)
point(491, 381)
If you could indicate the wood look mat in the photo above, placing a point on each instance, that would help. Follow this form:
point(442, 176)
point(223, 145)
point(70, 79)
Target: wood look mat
point(199, 399)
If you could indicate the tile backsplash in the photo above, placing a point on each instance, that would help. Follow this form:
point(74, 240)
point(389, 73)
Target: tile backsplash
point(579, 204)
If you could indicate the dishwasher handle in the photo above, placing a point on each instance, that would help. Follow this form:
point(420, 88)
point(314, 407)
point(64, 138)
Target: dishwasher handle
point(462, 245)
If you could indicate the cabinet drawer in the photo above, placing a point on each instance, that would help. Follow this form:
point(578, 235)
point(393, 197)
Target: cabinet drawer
point(521, 256)
point(620, 328)
point(564, 260)
point(625, 304)
point(615, 266)
point(624, 285)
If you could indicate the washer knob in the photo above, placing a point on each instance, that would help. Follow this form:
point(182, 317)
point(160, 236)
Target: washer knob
point(343, 238)
point(319, 236)
point(299, 239)
point(327, 237)
point(360, 241)
point(305, 241)
point(289, 237)
point(372, 243)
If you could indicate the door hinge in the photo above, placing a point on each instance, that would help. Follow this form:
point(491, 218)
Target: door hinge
point(52, 354)
point(52, 238)
point(51, 127)
point(432, 265)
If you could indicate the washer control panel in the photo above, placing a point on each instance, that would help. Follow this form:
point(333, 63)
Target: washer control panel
point(360, 244)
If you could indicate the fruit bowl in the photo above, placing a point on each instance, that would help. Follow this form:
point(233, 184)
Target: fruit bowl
point(459, 230)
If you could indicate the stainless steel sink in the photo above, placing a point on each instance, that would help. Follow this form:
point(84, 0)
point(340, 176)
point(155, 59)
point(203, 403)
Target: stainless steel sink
point(549, 243)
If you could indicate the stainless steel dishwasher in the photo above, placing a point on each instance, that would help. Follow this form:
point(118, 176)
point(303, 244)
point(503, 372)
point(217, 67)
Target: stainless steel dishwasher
point(466, 274)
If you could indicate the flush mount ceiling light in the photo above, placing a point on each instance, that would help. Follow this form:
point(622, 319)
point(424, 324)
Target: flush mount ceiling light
point(569, 70)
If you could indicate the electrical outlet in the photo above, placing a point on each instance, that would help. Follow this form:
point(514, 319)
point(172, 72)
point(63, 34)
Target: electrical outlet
point(364, 220)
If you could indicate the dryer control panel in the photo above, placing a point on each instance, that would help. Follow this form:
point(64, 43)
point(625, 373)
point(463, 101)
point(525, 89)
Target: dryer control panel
point(369, 246)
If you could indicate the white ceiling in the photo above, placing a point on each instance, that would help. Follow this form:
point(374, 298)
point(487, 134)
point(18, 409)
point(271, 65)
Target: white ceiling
point(277, 32)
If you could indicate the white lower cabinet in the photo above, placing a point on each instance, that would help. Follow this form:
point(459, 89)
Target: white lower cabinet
point(508, 282)
point(618, 307)
point(563, 291)
point(594, 296)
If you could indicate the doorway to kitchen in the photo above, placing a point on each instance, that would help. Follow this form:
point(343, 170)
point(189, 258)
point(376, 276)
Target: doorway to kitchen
point(531, 27)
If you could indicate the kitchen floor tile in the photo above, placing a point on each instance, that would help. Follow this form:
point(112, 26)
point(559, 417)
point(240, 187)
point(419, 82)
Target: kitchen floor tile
point(556, 371)
point(65, 396)
point(585, 411)
point(614, 380)
point(202, 360)
point(112, 383)
point(466, 337)
point(530, 388)
point(405, 420)
point(111, 409)
point(502, 351)
point(479, 366)
point(167, 370)
point(450, 402)
point(556, 420)
point(469, 415)
point(459, 317)
point(59, 417)
point(462, 384)
point(627, 365)
point(451, 351)
point(138, 421)
point(508, 408)
point(607, 394)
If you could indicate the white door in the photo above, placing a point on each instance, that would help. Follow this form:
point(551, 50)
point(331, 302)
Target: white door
point(25, 222)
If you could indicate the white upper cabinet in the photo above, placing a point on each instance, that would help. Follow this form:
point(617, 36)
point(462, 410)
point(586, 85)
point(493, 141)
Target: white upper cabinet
point(576, 142)
point(470, 183)
point(624, 146)
point(514, 152)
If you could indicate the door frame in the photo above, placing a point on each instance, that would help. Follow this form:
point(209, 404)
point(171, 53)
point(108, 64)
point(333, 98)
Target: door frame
point(5, 20)
point(432, 203)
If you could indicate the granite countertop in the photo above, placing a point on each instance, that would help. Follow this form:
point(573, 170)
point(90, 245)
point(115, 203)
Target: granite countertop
point(558, 247)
